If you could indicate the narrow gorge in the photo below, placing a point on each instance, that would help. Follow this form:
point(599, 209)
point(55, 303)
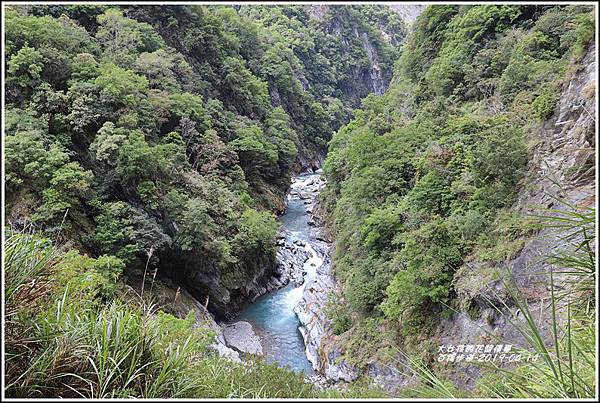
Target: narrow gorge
point(300, 200)
point(300, 257)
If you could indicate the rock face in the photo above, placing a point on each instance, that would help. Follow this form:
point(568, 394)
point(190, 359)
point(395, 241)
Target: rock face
point(321, 347)
point(371, 77)
point(408, 13)
point(375, 73)
point(310, 162)
point(241, 337)
point(226, 296)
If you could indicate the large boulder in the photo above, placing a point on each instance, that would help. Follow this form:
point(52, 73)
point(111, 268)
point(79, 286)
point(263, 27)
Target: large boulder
point(225, 351)
point(241, 337)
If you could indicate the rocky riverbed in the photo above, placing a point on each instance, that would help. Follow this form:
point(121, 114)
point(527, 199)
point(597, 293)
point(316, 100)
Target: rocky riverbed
point(320, 346)
point(272, 317)
point(290, 325)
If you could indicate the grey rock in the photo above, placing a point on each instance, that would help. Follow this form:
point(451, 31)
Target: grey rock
point(389, 377)
point(322, 349)
point(408, 12)
point(241, 337)
point(226, 352)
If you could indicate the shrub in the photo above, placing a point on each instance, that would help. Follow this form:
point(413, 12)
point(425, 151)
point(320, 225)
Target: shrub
point(543, 104)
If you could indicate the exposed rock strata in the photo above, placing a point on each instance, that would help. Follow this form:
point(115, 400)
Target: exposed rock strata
point(560, 173)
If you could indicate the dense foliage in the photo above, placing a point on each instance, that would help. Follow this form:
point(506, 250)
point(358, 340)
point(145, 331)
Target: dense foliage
point(144, 132)
point(418, 179)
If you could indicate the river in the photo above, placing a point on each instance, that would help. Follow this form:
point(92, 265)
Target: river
point(272, 316)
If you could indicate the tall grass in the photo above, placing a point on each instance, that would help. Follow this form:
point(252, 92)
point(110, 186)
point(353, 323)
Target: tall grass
point(29, 263)
point(60, 346)
point(426, 383)
point(566, 368)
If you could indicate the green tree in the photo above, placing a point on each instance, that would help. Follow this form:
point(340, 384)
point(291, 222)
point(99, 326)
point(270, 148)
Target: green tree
point(124, 85)
point(123, 38)
point(24, 69)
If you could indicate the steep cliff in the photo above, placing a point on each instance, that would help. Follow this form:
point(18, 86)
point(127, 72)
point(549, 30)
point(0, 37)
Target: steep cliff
point(560, 174)
point(365, 39)
point(431, 186)
point(169, 135)
point(408, 12)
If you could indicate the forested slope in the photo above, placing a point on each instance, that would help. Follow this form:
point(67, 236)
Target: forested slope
point(422, 180)
point(166, 136)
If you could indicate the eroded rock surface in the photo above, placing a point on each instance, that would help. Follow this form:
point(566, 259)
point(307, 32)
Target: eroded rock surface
point(322, 348)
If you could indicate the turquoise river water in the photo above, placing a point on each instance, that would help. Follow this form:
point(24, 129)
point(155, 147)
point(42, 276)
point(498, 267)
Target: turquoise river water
point(272, 315)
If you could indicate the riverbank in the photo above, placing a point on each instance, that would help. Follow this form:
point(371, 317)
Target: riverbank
point(299, 257)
